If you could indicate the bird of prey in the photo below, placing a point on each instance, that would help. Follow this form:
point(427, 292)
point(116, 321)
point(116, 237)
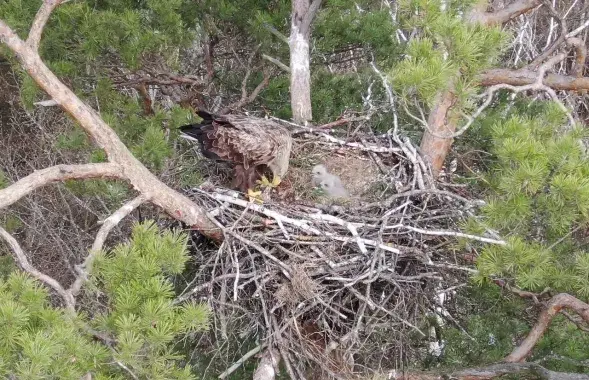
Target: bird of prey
point(330, 183)
point(254, 145)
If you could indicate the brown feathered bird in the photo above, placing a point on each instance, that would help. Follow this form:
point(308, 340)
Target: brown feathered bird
point(254, 145)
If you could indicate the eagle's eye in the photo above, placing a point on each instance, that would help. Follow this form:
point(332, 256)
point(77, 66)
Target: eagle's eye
point(326, 185)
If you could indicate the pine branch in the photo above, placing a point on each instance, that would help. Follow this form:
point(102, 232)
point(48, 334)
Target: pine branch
point(175, 204)
point(503, 15)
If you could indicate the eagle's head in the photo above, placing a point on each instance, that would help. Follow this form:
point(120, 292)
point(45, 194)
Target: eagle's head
point(279, 165)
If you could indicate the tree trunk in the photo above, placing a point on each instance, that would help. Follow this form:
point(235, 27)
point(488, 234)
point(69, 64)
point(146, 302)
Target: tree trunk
point(434, 146)
point(303, 12)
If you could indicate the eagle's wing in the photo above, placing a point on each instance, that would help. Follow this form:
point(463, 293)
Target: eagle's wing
point(243, 140)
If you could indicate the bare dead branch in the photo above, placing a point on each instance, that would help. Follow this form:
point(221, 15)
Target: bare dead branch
point(40, 21)
point(492, 372)
point(245, 98)
point(240, 362)
point(108, 224)
point(524, 77)
point(175, 204)
point(581, 55)
point(275, 61)
point(559, 41)
point(53, 174)
point(23, 262)
point(556, 304)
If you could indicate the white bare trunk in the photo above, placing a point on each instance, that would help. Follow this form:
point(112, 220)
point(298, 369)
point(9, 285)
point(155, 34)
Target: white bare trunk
point(300, 77)
point(303, 12)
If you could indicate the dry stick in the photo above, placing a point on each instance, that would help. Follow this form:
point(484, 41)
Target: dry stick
point(23, 261)
point(561, 38)
point(239, 362)
point(302, 224)
point(449, 233)
point(538, 85)
point(108, 224)
point(556, 304)
point(175, 204)
point(321, 132)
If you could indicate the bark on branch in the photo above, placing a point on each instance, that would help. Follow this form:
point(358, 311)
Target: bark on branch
point(524, 77)
point(556, 304)
point(175, 204)
point(40, 21)
point(494, 371)
point(503, 15)
point(58, 173)
point(107, 226)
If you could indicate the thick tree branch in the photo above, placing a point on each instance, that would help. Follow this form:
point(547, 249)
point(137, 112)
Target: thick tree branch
point(556, 304)
point(492, 372)
point(503, 15)
point(524, 77)
point(580, 55)
point(23, 262)
point(174, 203)
point(40, 21)
point(267, 366)
point(58, 173)
point(305, 27)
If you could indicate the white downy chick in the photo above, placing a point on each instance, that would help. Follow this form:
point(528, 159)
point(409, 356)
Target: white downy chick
point(330, 183)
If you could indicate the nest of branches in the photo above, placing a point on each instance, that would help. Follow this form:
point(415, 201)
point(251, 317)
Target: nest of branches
point(334, 288)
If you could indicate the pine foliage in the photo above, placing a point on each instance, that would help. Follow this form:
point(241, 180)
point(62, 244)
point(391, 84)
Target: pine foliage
point(540, 201)
point(135, 309)
point(447, 51)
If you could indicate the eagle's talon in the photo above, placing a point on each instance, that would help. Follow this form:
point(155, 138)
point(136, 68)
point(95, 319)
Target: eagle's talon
point(254, 196)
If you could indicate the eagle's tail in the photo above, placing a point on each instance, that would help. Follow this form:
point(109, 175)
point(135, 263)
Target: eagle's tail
point(197, 132)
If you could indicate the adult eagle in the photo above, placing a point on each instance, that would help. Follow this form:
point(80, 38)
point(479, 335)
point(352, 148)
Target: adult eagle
point(253, 144)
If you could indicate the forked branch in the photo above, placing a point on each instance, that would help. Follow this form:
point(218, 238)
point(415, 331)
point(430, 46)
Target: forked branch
point(131, 169)
point(40, 21)
point(23, 262)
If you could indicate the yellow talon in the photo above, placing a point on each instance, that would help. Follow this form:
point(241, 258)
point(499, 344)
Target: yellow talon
point(254, 196)
point(265, 183)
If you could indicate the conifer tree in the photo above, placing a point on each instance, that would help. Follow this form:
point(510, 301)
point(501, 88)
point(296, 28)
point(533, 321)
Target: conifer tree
point(539, 200)
point(129, 325)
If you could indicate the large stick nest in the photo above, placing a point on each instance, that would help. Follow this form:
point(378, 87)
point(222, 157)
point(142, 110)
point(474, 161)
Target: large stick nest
point(338, 286)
